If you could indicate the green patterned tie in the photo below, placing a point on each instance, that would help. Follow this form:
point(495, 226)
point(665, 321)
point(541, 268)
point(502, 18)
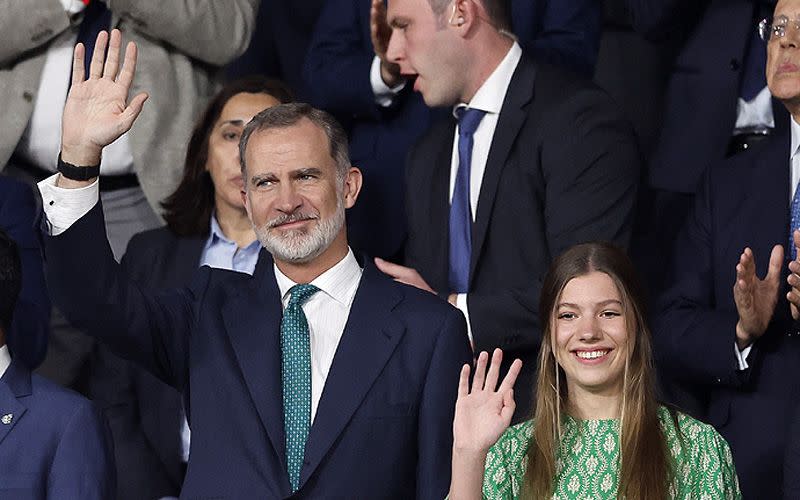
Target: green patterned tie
point(296, 375)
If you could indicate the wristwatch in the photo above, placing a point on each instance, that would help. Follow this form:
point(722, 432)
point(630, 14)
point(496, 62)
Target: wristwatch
point(77, 173)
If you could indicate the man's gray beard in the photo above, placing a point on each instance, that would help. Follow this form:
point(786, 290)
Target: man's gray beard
point(297, 245)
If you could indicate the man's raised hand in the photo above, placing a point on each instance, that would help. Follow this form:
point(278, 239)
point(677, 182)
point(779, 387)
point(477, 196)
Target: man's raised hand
point(755, 298)
point(97, 111)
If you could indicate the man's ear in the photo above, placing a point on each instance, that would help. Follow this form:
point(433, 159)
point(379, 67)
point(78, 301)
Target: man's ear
point(463, 15)
point(352, 186)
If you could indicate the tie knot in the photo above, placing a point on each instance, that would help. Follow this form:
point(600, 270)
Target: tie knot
point(468, 120)
point(298, 294)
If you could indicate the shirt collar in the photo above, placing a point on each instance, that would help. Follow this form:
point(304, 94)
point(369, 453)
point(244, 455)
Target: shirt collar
point(216, 235)
point(492, 93)
point(5, 360)
point(795, 138)
point(338, 282)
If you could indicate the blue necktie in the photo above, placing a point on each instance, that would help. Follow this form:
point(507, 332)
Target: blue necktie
point(96, 18)
point(460, 212)
point(795, 221)
point(296, 377)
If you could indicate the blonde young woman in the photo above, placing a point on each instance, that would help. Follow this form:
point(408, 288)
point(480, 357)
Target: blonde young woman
point(597, 429)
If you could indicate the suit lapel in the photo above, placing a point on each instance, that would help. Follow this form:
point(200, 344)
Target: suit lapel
point(15, 384)
point(512, 117)
point(369, 339)
point(439, 211)
point(769, 190)
point(253, 320)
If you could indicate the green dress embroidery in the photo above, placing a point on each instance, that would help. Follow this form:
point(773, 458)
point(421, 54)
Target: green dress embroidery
point(587, 465)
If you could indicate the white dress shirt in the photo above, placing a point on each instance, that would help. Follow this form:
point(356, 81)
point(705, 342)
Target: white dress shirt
point(327, 312)
point(41, 141)
point(488, 98)
point(384, 94)
point(5, 360)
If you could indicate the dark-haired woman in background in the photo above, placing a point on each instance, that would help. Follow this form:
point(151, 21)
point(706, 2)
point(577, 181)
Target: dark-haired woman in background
point(597, 430)
point(206, 225)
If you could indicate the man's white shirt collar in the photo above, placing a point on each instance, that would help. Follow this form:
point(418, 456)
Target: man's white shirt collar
point(492, 93)
point(5, 360)
point(339, 282)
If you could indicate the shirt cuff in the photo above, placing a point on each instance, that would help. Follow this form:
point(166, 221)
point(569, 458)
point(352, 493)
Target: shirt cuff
point(741, 356)
point(461, 305)
point(63, 207)
point(384, 95)
point(72, 7)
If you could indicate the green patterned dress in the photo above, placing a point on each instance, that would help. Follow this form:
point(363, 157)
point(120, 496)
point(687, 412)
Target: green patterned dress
point(587, 467)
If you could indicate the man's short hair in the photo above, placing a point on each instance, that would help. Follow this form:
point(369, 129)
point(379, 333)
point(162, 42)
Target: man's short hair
point(10, 278)
point(287, 115)
point(499, 11)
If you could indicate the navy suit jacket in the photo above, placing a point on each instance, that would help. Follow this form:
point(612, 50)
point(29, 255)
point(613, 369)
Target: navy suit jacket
point(743, 202)
point(706, 74)
point(337, 76)
point(383, 427)
point(144, 413)
point(53, 442)
point(562, 169)
point(27, 337)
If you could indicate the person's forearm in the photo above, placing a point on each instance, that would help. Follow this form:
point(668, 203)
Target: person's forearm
point(467, 477)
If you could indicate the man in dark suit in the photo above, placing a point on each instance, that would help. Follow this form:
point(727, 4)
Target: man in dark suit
point(312, 378)
point(552, 165)
point(53, 442)
point(27, 336)
point(721, 328)
point(347, 74)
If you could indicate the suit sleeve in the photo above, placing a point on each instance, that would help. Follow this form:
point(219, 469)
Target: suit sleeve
point(95, 295)
point(83, 465)
point(27, 337)
point(336, 71)
point(567, 32)
point(694, 336)
point(791, 465)
point(208, 30)
point(435, 437)
point(590, 167)
point(29, 25)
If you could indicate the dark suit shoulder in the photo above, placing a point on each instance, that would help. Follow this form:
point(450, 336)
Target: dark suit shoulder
point(60, 403)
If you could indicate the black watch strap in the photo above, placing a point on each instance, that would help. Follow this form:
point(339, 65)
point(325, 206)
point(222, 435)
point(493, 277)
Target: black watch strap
point(76, 173)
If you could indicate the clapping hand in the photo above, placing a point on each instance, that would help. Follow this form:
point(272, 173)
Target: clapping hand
point(484, 412)
point(755, 298)
point(97, 110)
point(793, 296)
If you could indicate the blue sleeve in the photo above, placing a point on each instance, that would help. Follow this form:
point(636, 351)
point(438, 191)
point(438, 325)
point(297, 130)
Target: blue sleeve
point(565, 33)
point(27, 337)
point(336, 71)
point(83, 465)
point(437, 408)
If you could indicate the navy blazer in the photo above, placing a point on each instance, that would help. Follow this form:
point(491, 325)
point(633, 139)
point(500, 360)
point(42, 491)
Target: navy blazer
point(383, 427)
point(144, 413)
point(53, 442)
point(562, 169)
point(743, 202)
point(27, 337)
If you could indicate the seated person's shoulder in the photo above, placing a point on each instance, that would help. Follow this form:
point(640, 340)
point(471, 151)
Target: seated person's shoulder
point(688, 436)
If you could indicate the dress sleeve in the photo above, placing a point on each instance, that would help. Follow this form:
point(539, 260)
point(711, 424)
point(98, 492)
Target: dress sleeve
point(504, 471)
point(713, 474)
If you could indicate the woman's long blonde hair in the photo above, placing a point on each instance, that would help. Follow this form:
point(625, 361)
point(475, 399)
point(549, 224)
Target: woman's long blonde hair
point(645, 470)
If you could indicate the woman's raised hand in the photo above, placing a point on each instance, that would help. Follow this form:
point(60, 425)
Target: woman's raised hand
point(484, 411)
